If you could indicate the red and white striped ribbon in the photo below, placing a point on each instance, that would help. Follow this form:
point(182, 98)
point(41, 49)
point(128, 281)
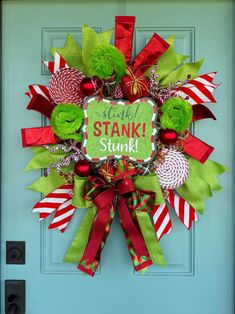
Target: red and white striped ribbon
point(63, 216)
point(36, 89)
point(56, 65)
point(161, 217)
point(59, 201)
point(162, 220)
point(183, 209)
point(198, 90)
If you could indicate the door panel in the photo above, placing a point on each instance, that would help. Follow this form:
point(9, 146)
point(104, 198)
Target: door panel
point(199, 276)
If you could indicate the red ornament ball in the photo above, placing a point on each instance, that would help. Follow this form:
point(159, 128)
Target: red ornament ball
point(87, 87)
point(168, 136)
point(82, 168)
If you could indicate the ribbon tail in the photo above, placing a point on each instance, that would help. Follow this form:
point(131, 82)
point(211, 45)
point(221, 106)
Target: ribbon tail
point(139, 253)
point(201, 183)
point(63, 216)
point(56, 65)
point(38, 136)
point(154, 49)
point(150, 239)
point(90, 259)
point(202, 112)
point(78, 193)
point(53, 201)
point(79, 243)
point(124, 32)
point(161, 220)
point(186, 213)
point(199, 90)
point(196, 148)
point(37, 89)
point(42, 105)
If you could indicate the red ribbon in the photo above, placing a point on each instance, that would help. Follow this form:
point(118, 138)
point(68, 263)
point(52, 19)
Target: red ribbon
point(41, 105)
point(104, 203)
point(196, 148)
point(202, 112)
point(38, 136)
point(150, 53)
point(124, 32)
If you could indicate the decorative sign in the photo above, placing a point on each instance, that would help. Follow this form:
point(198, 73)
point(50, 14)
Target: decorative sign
point(116, 129)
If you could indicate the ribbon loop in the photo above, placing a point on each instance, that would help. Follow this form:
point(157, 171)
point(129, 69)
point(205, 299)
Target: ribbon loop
point(104, 199)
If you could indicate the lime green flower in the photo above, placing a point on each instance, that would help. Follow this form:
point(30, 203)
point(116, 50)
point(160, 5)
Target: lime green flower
point(105, 61)
point(176, 114)
point(66, 120)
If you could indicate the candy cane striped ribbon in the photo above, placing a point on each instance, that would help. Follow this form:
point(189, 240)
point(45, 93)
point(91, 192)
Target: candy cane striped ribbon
point(198, 90)
point(161, 217)
point(60, 202)
point(183, 209)
point(56, 65)
point(36, 89)
point(162, 220)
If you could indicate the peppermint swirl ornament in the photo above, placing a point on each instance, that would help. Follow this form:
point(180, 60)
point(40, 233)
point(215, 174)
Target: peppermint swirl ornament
point(64, 86)
point(174, 170)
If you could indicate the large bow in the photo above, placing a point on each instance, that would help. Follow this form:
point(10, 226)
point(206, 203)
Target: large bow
point(133, 205)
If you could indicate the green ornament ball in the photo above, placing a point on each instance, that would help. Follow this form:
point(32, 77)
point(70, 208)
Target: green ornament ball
point(177, 114)
point(105, 61)
point(66, 120)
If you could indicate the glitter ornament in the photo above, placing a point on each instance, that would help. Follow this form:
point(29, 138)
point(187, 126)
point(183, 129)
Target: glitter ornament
point(87, 87)
point(64, 86)
point(173, 169)
point(134, 85)
point(82, 168)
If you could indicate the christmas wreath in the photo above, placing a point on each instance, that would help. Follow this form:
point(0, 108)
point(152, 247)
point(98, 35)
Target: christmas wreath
point(119, 140)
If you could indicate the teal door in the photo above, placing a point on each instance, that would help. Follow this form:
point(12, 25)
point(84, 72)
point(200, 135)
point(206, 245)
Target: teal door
point(199, 277)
